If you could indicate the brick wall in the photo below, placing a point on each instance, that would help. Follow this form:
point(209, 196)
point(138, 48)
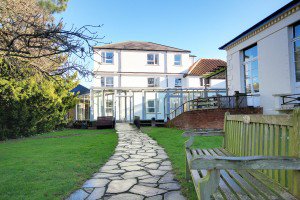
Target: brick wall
point(209, 118)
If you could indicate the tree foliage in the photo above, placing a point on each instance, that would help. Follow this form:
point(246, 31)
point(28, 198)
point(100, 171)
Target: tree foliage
point(54, 6)
point(30, 103)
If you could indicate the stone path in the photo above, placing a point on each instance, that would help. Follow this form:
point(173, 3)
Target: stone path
point(139, 170)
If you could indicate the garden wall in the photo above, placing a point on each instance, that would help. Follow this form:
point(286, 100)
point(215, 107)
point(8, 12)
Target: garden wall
point(208, 118)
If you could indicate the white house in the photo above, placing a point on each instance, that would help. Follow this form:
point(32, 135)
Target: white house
point(141, 79)
point(264, 61)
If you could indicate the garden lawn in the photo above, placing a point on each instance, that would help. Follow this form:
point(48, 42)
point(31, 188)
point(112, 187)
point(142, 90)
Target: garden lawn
point(52, 165)
point(173, 143)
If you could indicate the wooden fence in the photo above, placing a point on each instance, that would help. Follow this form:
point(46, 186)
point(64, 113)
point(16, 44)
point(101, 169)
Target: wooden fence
point(277, 135)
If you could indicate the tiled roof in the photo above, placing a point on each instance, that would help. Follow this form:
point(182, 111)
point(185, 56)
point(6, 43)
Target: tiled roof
point(205, 65)
point(137, 45)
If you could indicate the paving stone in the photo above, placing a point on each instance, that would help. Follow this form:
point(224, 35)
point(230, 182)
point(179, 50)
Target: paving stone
point(133, 160)
point(134, 174)
point(152, 166)
point(146, 191)
point(114, 171)
point(165, 167)
point(104, 175)
point(174, 195)
point(113, 162)
point(167, 178)
point(115, 178)
point(153, 185)
point(150, 180)
point(132, 168)
point(95, 183)
point(166, 163)
point(126, 196)
point(151, 160)
point(169, 186)
point(123, 164)
point(158, 197)
point(109, 167)
point(96, 194)
point(78, 195)
point(157, 172)
point(119, 186)
point(88, 190)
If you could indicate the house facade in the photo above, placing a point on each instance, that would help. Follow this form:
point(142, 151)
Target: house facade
point(141, 79)
point(264, 61)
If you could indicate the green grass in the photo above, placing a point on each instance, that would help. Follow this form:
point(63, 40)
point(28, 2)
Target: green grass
point(173, 142)
point(52, 165)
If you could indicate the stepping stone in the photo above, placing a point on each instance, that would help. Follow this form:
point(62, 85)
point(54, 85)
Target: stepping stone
point(170, 186)
point(165, 167)
point(151, 160)
point(132, 168)
point(167, 178)
point(158, 197)
point(78, 195)
point(126, 196)
point(96, 194)
point(119, 186)
point(104, 175)
point(174, 195)
point(134, 174)
point(146, 191)
point(152, 166)
point(157, 172)
point(95, 183)
point(150, 180)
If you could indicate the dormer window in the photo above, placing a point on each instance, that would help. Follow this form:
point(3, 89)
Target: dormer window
point(152, 59)
point(107, 57)
point(177, 59)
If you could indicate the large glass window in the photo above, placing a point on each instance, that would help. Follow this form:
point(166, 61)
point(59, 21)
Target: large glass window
point(107, 57)
point(151, 106)
point(250, 65)
point(177, 59)
point(296, 41)
point(152, 59)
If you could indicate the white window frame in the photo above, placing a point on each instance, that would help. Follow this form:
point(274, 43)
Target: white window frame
point(176, 84)
point(244, 63)
point(105, 58)
point(176, 62)
point(154, 106)
point(297, 84)
point(104, 81)
point(154, 56)
point(156, 81)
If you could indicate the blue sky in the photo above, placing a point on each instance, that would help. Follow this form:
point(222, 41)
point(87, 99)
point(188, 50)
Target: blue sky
point(201, 26)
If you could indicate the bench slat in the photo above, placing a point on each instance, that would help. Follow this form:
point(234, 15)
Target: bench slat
point(261, 185)
point(225, 176)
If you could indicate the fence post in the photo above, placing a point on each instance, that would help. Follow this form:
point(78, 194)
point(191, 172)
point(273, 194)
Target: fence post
point(225, 129)
point(236, 94)
point(295, 147)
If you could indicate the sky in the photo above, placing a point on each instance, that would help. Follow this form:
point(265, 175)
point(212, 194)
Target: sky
point(201, 26)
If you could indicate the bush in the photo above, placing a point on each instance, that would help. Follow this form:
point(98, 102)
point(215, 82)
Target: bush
point(31, 103)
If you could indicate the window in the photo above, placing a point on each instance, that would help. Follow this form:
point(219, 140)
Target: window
point(178, 82)
point(109, 107)
point(296, 41)
point(107, 57)
point(153, 82)
point(204, 81)
point(177, 59)
point(152, 59)
point(151, 106)
point(250, 65)
point(107, 81)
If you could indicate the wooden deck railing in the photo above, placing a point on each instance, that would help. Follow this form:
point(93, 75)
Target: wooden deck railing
point(235, 101)
point(277, 135)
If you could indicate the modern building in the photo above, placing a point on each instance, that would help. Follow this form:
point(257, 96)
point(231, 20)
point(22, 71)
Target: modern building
point(145, 79)
point(264, 61)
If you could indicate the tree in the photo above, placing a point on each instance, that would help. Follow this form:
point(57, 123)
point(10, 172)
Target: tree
point(54, 6)
point(29, 33)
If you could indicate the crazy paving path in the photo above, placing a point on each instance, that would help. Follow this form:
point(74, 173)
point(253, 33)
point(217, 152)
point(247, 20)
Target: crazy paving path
point(139, 170)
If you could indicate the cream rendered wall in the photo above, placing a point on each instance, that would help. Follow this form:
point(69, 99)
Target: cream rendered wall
point(218, 83)
point(141, 81)
point(193, 82)
point(185, 63)
point(274, 63)
point(99, 66)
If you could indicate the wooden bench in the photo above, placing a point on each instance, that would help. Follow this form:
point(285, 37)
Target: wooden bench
point(259, 160)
